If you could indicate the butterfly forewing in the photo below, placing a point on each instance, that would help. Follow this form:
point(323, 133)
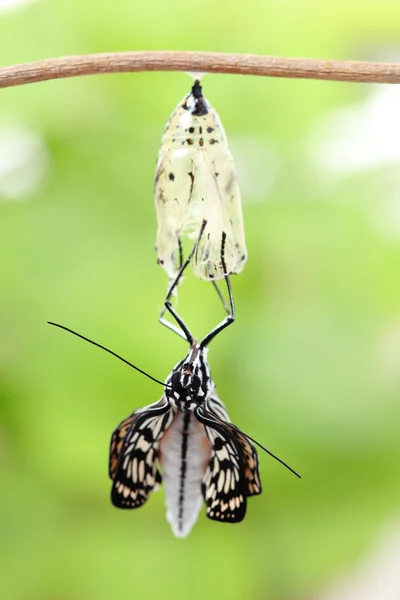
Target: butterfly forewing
point(216, 407)
point(133, 454)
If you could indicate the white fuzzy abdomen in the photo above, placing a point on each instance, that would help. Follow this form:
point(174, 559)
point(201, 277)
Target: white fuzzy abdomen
point(184, 455)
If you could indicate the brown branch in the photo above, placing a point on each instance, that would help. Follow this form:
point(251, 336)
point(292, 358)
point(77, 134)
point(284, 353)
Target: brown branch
point(210, 62)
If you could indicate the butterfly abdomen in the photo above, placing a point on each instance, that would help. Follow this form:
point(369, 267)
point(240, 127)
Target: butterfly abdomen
point(184, 457)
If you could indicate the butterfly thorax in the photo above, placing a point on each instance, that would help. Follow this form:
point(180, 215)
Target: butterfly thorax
point(190, 382)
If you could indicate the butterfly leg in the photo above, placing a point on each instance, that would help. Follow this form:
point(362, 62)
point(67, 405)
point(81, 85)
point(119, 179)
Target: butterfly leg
point(183, 331)
point(231, 310)
point(221, 297)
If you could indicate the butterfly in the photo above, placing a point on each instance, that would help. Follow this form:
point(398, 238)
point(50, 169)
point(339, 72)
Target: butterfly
point(186, 440)
point(196, 181)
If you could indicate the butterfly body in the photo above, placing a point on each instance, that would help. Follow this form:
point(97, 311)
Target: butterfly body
point(190, 383)
point(189, 434)
point(184, 455)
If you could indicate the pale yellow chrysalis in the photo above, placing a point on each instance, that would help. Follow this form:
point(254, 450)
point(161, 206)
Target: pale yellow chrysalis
point(196, 181)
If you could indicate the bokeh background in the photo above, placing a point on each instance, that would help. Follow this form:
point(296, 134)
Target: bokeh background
point(312, 366)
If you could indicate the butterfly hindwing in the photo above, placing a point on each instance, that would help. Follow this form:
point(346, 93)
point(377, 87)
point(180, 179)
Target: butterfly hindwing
point(133, 454)
point(215, 406)
point(117, 440)
point(251, 469)
point(224, 484)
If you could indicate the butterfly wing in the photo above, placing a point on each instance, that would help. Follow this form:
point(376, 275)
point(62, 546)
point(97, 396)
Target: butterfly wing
point(216, 408)
point(133, 454)
point(251, 470)
point(224, 484)
point(117, 440)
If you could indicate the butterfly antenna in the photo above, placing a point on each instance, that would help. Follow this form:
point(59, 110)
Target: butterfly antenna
point(254, 441)
point(109, 351)
point(267, 451)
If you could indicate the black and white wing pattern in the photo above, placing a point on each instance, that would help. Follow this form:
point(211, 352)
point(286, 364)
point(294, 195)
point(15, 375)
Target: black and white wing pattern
point(133, 454)
point(224, 483)
point(233, 472)
point(251, 468)
point(215, 406)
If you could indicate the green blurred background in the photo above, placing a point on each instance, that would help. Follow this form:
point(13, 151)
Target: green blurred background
point(312, 366)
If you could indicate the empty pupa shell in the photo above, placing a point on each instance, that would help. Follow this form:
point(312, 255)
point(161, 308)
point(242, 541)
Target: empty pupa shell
point(196, 181)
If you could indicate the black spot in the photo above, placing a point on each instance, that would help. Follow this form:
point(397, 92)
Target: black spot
point(218, 444)
point(160, 261)
point(190, 141)
point(212, 141)
point(147, 434)
point(196, 89)
point(210, 129)
point(200, 109)
point(191, 129)
point(201, 142)
point(171, 176)
point(200, 130)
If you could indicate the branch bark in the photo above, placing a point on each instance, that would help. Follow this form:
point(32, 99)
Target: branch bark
point(207, 62)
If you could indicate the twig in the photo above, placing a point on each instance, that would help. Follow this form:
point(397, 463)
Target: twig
point(211, 62)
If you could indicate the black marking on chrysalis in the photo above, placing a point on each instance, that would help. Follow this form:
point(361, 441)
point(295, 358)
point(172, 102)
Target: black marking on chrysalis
point(197, 90)
point(195, 103)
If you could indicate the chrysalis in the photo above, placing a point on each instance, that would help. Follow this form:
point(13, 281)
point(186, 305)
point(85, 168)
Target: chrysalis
point(195, 182)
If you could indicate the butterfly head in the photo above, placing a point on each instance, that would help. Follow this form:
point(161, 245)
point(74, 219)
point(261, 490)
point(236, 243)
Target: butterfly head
point(190, 382)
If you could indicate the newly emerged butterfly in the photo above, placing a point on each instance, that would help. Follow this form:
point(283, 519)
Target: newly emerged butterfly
point(188, 434)
point(196, 181)
point(201, 455)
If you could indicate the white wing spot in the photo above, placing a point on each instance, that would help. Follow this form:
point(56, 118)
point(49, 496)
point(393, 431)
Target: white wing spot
point(227, 481)
point(134, 470)
point(221, 480)
point(141, 470)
